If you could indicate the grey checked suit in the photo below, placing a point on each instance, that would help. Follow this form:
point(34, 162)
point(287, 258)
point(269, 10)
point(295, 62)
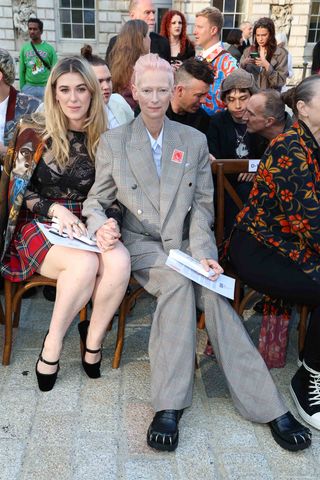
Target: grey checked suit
point(176, 211)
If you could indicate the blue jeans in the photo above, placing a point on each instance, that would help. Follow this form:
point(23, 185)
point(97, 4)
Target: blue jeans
point(34, 91)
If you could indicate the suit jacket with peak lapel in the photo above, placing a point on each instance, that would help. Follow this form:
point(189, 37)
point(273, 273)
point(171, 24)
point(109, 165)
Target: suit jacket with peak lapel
point(158, 214)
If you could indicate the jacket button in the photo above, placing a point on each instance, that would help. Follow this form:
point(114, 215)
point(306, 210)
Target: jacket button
point(139, 212)
point(134, 186)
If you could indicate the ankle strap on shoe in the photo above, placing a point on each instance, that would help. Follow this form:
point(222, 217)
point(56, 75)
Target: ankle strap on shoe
point(93, 351)
point(47, 362)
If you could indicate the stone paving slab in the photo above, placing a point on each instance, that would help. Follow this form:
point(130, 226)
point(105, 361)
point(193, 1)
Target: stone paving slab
point(96, 429)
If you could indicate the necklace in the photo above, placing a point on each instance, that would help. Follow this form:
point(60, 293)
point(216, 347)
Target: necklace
point(242, 149)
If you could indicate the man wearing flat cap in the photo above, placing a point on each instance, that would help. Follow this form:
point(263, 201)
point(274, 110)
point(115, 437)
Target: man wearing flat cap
point(228, 136)
point(13, 104)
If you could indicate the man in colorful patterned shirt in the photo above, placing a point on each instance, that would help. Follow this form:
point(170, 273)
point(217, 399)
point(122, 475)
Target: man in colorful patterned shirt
point(208, 25)
point(37, 58)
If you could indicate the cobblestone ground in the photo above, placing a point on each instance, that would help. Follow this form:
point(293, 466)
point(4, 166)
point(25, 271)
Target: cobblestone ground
point(86, 429)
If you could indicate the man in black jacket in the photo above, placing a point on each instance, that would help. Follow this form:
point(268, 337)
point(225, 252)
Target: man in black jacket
point(144, 10)
point(229, 136)
point(192, 82)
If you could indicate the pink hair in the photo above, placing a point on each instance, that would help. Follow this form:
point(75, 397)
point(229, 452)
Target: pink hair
point(153, 62)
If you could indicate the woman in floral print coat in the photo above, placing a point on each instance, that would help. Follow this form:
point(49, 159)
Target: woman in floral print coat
point(275, 246)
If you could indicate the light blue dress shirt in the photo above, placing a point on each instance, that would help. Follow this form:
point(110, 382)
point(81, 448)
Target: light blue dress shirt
point(156, 147)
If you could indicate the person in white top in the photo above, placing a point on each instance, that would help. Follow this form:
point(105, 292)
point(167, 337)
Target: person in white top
point(117, 109)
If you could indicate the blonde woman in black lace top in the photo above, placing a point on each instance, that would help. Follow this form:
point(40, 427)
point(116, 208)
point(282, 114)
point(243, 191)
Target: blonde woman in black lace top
point(52, 171)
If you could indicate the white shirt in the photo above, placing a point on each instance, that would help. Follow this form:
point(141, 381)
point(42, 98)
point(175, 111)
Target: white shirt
point(156, 146)
point(112, 121)
point(205, 53)
point(3, 114)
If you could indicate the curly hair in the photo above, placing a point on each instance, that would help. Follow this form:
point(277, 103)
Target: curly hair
point(271, 46)
point(125, 52)
point(165, 28)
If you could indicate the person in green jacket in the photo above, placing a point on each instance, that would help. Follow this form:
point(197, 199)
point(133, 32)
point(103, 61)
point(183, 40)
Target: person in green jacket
point(37, 57)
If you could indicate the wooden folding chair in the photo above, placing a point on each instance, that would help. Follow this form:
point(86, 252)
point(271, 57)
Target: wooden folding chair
point(134, 291)
point(221, 169)
point(13, 292)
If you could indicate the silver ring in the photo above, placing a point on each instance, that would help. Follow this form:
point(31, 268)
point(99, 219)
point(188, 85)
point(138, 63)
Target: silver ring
point(78, 222)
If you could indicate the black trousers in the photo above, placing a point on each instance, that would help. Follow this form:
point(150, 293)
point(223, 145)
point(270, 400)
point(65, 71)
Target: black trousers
point(273, 274)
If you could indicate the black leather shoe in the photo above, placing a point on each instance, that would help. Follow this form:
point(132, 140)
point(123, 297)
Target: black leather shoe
point(289, 433)
point(91, 369)
point(163, 433)
point(46, 381)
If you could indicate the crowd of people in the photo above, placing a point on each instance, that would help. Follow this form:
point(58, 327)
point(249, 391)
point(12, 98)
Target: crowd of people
point(120, 150)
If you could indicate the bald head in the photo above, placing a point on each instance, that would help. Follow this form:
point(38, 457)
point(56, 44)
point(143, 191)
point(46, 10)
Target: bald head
point(143, 10)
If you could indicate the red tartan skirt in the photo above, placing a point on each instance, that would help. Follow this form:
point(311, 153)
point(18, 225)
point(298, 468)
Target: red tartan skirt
point(29, 246)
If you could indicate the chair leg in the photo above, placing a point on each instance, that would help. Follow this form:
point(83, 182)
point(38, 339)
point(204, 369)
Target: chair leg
point(83, 313)
point(201, 324)
point(302, 326)
point(123, 310)
point(1, 315)
point(246, 299)
point(16, 314)
point(8, 293)
point(237, 296)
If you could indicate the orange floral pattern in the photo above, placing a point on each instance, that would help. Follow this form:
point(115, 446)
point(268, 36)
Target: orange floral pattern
point(283, 209)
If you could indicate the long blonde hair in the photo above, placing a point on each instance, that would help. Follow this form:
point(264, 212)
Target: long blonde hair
point(54, 124)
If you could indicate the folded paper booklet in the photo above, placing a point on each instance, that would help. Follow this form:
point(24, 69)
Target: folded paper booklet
point(192, 269)
point(54, 237)
point(55, 229)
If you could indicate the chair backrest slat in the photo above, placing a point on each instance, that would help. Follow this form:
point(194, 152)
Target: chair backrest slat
point(221, 168)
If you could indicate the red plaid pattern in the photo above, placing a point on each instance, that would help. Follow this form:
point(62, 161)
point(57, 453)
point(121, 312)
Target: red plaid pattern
point(29, 246)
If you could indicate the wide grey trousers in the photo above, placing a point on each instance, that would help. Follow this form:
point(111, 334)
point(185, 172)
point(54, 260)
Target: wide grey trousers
point(172, 347)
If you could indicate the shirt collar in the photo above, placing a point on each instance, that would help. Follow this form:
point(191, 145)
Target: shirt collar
point(155, 142)
point(206, 53)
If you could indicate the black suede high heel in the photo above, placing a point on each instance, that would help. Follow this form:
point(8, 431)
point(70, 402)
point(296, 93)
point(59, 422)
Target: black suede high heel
point(46, 381)
point(91, 369)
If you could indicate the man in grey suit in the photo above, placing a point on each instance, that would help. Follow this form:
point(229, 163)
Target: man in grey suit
point(159, 171)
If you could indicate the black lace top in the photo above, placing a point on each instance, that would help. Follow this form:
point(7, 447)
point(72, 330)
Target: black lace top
point(72, 182)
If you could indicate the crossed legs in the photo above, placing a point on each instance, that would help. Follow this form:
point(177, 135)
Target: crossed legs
point(81, 274)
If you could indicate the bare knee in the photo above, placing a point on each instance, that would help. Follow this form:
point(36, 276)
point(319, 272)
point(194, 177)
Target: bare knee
point(86, 265)
point(116, 264)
